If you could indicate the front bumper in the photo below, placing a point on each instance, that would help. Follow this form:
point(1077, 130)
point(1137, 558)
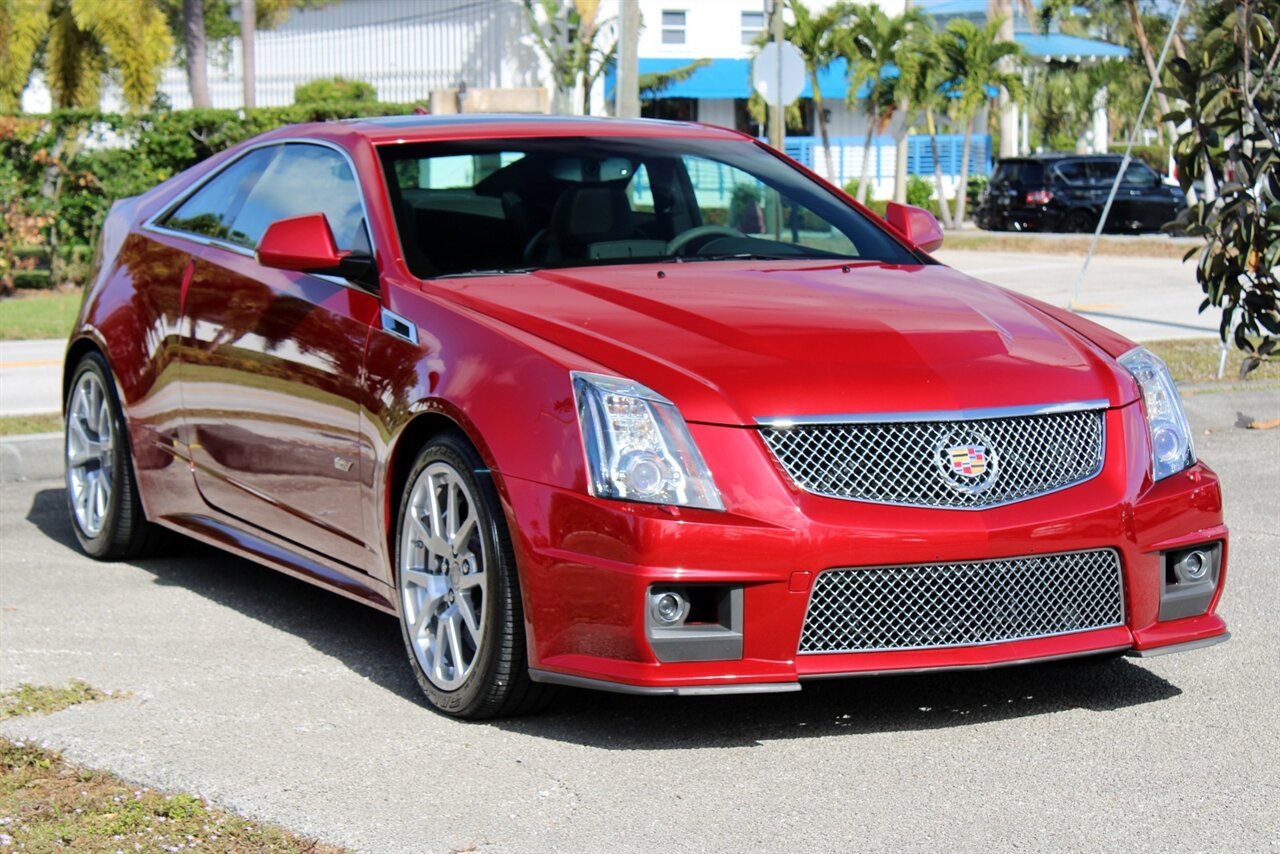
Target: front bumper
point(587, 566)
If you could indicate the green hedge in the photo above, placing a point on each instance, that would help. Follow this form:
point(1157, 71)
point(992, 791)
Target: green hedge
point(59, 173)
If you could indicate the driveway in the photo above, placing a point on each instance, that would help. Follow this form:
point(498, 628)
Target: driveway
point(296, 706)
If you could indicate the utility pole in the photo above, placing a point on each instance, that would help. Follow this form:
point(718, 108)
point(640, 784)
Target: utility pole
point(248, 39)
point(777, 110)
point(627, 95)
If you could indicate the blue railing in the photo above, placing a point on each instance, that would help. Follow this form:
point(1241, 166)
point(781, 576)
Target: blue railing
point(846, 153)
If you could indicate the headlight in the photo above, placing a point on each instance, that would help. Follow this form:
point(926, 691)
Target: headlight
point(1171, 448)
point(638, 447)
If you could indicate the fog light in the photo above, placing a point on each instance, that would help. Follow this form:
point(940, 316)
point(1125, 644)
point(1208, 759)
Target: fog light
point(1192, 567)
point(667, 607)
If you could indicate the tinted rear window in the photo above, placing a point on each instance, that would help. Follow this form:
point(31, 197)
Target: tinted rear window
point(1019, 172)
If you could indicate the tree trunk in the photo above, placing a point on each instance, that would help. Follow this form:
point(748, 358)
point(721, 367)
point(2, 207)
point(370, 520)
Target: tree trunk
point(900, 155)
point(943, 210)
point(248, 40)
point(1003, 10)
point(873, 118)
point(1140, 32)
point(194, 43)
point(962, 191)
point(822, 129)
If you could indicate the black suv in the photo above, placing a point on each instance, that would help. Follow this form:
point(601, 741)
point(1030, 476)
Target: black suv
point(1066, 192)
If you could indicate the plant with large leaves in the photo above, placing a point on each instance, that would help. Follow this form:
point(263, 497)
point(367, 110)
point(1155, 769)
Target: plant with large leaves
point(83, 42)
point(1229, 89)
point(973, 57)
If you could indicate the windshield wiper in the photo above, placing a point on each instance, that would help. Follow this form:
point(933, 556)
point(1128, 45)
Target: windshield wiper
point(496, 271)
point(738, 256)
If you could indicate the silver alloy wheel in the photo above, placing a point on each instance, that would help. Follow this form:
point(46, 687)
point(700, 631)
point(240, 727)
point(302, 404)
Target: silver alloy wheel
point(90, 451)
point(442, 576)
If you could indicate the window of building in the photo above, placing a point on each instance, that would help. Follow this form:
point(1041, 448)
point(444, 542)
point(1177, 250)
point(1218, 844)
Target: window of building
point(800, 121)
point(752, 26)
point(673, 23)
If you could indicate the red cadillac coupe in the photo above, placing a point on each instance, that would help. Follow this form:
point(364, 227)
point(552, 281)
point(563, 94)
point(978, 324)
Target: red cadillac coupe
point(639, 406)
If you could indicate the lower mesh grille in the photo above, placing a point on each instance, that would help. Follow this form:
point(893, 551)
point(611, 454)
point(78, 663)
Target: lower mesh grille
point(961, 604)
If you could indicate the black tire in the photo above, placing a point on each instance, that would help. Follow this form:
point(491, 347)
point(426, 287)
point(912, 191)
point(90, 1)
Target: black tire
point(120, 531)
point(495, 683)
point(1081, 222)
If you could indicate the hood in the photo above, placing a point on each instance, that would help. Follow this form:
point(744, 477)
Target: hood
point(734, 341)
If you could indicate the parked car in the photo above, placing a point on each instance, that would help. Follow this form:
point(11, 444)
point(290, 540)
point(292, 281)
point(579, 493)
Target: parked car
point(518, 382)
point(1067, 192)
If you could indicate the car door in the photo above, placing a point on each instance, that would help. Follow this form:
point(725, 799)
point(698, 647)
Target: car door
point(272, 367)
point(1148, 203)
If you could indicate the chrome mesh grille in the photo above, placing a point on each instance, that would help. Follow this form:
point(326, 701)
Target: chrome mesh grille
point(960, 604)
point(909, 462)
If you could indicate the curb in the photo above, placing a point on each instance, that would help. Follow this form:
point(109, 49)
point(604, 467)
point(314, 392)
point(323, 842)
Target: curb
point(35, 457)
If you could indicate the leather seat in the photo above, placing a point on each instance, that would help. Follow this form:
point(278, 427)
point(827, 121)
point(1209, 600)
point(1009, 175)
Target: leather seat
point(582, 216)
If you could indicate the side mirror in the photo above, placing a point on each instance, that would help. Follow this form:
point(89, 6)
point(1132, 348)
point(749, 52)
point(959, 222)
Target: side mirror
point(305, 244)
point(917, 225)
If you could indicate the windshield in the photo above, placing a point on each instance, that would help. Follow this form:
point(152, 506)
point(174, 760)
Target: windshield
point(483, 206)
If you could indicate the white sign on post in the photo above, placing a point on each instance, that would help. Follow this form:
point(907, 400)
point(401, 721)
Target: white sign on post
point(765, 73)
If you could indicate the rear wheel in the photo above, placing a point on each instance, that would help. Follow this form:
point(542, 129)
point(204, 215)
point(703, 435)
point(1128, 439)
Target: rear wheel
point(1081, 221)
point(459, 599)
point(102, 493)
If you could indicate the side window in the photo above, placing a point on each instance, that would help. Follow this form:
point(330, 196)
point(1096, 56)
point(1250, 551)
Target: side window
point(1103, 171)
point(729, 197)
point(304, 179)
point(209, 211)
point(1073, 172)
point(1141, 175)
point(640, 191)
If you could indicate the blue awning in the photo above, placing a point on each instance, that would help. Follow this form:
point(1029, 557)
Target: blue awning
point(731, 78)
point(1059, 46)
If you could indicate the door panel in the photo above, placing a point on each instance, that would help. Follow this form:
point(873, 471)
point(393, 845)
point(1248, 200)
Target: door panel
point(272, 379)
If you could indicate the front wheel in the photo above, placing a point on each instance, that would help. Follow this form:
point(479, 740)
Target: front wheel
point(459, 599)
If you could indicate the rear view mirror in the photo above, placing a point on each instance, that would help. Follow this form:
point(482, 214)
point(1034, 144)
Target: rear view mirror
point(588, 170)
point(916, 225)
point(305, 244)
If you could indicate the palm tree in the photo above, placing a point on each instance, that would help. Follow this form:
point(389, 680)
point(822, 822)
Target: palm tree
point(923, 79)
point(82, 40)
point(815, 37)
point(972, 57)
point(567, 34)
point(875, 45)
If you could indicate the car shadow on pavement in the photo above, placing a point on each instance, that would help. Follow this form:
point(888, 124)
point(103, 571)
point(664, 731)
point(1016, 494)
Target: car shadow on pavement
point(368, 643)
point(856, 706)
point(366, 640)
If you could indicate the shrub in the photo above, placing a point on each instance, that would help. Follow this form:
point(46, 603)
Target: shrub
point(335, 90)
point(919, 192)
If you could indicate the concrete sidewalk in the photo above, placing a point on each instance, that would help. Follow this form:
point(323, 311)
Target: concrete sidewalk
point(31, 376)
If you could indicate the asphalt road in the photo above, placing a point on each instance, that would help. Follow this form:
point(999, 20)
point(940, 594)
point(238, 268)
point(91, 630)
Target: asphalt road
point(296, 706)
point(1145, 299)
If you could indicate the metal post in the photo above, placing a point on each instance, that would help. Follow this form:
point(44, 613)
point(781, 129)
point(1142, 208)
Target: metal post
point(628, 91)
point(777, 111)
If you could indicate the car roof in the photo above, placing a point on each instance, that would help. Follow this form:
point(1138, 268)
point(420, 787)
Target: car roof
point(414, 128)
point(1049, 156)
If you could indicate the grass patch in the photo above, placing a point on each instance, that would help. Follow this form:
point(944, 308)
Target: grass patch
point(20, 425)
point(47, 804)
point(1130, 247)
point(1195, 360)
point(43, 700)
point(43, 314)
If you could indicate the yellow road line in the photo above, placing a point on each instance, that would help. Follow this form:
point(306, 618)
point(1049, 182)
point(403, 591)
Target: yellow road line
point(31, 363)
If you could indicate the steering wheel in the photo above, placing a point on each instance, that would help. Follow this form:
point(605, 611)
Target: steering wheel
point(698, 232)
